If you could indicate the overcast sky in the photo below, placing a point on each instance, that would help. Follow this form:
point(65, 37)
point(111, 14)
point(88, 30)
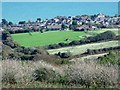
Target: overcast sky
point(60, 0)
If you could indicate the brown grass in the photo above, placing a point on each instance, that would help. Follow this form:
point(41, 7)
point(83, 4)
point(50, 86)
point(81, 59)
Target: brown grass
point(92, 73)
point(85, 73)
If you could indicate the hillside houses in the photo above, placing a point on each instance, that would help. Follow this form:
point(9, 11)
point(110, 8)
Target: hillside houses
point(85, 27)
point(54, 27)
point(84, 22)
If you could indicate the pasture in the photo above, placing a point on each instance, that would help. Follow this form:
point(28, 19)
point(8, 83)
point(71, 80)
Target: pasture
point(53, 37)
point(75, 50)
point(46, 38)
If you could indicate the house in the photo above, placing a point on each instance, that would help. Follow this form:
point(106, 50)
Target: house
point(82, 28)
point(54, 27)
point(94, 27)
point(15, 28)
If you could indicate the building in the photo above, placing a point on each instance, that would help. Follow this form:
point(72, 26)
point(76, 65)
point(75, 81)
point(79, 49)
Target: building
point(54, 27)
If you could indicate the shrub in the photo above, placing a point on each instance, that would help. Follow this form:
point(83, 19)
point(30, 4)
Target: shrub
point(62, 80)
point(64, 54)
point(54, 46)
point(74, 43)
point(90, 73)
point(62, 61)
point(5, 34)
point(27, 57)
point(14, 72)
point(9, 77)
point(19, 49)
point(97, 51)
point(112, 58)
point(108, 35)
point(62, 44)
point(44, 75)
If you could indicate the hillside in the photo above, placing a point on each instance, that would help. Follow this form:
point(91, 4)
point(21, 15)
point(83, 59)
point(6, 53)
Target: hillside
point(38, 67)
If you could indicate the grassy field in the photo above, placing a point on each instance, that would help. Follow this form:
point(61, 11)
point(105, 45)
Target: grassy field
point(46, 38)
point(116, 31)
point(75, 50)
point(53, 37)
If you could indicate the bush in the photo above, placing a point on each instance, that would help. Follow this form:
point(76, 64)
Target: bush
point(54, 46)
point(108, 35)
point(112, 58)
point(62, 80)
point(62, 44)
point(98, 51)
point(91, 74)
point(9, 78)
point(62, 61)
point(5, 34)
point(64, 55)
point(14, 72)
point(82, 42)
point(74, 43)
point(19, 49)
point(44, 75)
point(27, 57)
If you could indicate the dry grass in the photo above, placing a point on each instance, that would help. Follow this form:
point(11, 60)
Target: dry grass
point(84, 73)
point(76, 50)
point(22, 71)
point(92, 73)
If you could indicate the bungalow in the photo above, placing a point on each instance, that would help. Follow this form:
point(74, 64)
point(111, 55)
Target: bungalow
point(94, 27)
point(54, 27)
point(15, 28)
point(82, 28)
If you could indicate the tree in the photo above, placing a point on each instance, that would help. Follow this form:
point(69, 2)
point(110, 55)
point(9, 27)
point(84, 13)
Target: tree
point(10, 23)
point(73, 25)
point(4, 22)
point(63, 26)
point(41, 30)
point(74, 22)
point(5, 34)
point(22, 22)
point(39, 19)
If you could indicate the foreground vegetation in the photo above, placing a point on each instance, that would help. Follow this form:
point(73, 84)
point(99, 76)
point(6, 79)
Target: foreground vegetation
point(113, 58)
point(37, 74)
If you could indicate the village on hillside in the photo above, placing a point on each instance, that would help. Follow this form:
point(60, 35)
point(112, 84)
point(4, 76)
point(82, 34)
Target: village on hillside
point(76, 23)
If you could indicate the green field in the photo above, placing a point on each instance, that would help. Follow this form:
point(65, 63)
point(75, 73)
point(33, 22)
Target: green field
point(52, 37)
point(46, 38)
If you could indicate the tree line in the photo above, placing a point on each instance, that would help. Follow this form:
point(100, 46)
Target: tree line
point(108, 35)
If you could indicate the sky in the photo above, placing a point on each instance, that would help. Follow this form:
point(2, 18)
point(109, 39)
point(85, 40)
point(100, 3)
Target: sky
point(52, 1)
point(59, 0)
